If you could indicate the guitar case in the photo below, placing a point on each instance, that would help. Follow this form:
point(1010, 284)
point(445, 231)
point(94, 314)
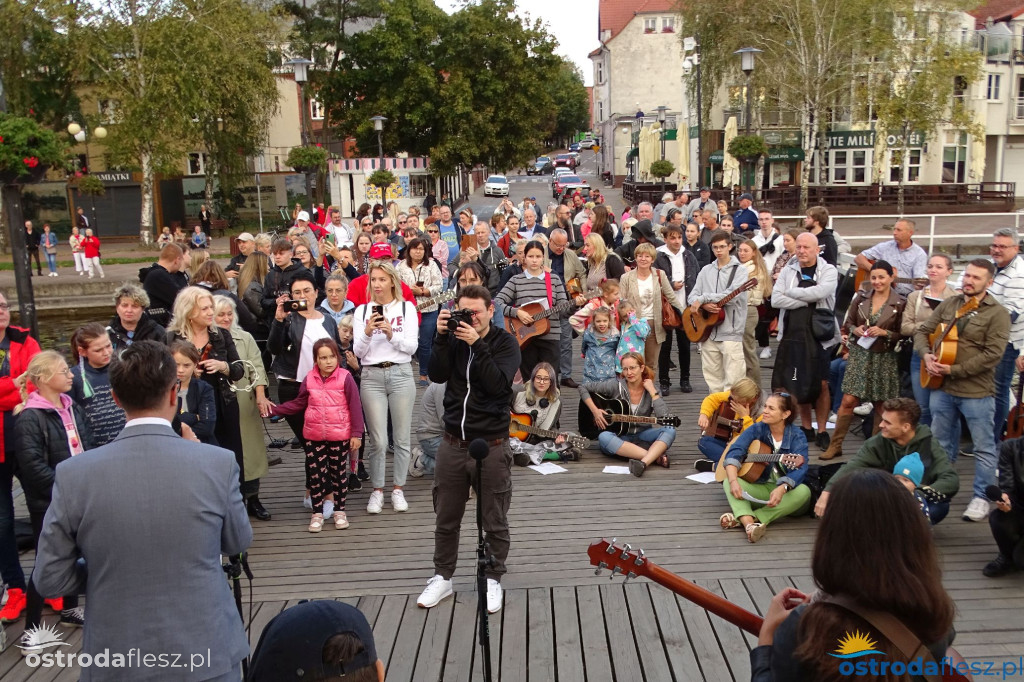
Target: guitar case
point(798, 363)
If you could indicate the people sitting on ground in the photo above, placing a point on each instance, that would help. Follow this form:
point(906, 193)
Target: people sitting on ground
point(540, 399)
point(429, 429)
point(641, 444)
point(870, 549)
point(900, 434)
point(1007, 521)
point(742, 398)
point(779, 491)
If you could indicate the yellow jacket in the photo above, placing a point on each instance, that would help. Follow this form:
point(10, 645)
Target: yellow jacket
point(712, 403)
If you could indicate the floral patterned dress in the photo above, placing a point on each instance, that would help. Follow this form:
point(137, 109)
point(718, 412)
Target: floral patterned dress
point(871, 376)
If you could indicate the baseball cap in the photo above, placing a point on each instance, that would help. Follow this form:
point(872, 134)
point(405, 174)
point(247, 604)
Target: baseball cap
point(380, 252)
point(245, 237)
point(705, 188)
point(747, 195)
point(292, 645)
point(303, 215)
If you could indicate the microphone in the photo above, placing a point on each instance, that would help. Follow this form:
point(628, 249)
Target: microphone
point(478, 449)
point(992, 492)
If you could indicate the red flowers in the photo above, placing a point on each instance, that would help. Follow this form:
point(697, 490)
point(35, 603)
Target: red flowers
point(30, 161)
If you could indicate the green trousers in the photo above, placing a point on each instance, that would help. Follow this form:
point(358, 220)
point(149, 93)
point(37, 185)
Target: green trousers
point(795, 502)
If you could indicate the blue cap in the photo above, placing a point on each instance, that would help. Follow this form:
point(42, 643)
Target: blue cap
point(910, 467)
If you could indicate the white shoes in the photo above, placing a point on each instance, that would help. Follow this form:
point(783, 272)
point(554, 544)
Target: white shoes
point(376, 502)
point(766, 352)
point(398, 502)
point(864, 409)
point(495, 596)
point(977, 510)
point(437, 589)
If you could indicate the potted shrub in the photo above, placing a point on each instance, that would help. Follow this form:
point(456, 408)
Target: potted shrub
point(27, 150)
point(91, 186)
point(307, 159)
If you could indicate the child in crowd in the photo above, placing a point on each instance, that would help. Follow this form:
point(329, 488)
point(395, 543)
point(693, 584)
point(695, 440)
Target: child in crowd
point(90, 383)
point(632, 332)
point(600, 342)
point(742, 397)
point(197, 404)
point(909, 471)
point(333, 427)
point(609, 299)
point(430, 430)
point(50, 429)
point(351, 363)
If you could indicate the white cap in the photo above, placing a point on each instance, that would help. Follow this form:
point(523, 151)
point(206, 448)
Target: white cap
point(303, 216)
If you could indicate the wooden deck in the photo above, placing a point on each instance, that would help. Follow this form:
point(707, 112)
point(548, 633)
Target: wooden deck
point(560, 621)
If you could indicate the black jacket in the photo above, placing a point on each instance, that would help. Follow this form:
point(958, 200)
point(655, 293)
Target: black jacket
point(690, 266)
point(162, 287)
point(285, 342)
point(246, 320)
point(42, 445)
point(146, 330)
point(1011, 470)
point(277, 282)
point(479, 392)
point(828, 247)
point(199, 411)
point(700, 251)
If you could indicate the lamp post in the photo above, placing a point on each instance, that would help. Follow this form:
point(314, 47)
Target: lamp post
point(661, 129)
point(747, 55)
point(99, 132)
point(378, 125)
point(300, 68)
point(693, 45)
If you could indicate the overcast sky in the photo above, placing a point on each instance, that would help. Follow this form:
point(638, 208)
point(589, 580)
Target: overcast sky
point(573, 23)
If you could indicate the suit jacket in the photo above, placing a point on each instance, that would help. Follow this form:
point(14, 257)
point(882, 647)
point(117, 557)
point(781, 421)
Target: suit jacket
point(153, 579)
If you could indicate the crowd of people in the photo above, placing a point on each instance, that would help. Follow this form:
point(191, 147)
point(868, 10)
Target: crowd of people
point(332, 317)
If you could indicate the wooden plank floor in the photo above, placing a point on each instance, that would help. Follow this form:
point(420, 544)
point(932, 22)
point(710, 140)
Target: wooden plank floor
point(560, 621)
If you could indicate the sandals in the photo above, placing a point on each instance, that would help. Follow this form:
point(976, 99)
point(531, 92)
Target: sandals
point(756, 531)
point(316, 524)
point(637, 467)
point(663, 461)
point(727, 521)
point(340, 520)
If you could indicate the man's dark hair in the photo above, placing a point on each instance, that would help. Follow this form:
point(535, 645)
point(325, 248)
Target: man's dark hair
point(341, 648)
point(281, 245)
point(985, 264)
point(379, 228)
point(142, 375)
point(671, 229)
point(303, 276)
point(907, 408)
point(475, 291)
point(719, 236)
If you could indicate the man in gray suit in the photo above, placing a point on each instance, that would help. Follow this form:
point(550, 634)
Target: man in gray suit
point(150, 513)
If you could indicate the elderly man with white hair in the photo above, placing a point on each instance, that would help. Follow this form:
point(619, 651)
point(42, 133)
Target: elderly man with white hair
point(1008, 288)
point(530, 227)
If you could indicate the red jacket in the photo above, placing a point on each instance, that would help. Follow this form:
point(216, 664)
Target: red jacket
point(91, 246)
point(23, 347)
point(357, 292)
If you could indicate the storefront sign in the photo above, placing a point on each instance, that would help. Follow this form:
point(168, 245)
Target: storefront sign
point(114, 177)
point(865, 139)
point(783, 138)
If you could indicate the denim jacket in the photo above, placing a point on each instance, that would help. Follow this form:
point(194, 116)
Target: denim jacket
point(599, 354)
point(793, 441)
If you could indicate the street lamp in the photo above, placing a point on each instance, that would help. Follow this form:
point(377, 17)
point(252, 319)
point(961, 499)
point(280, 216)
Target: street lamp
point(661, 122)
point(692, 44)
point(300, 68)
point(747, 55)
point(378, 125)
point(99, 132)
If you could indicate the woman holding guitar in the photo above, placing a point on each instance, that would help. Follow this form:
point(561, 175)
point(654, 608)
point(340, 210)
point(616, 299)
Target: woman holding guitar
point(540, 399)
point(779, 486)
point(878, 572)
point(723, 415)
point(642, 445)
point(870, 330)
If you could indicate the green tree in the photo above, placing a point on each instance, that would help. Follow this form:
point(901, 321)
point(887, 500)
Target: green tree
point(571, 101)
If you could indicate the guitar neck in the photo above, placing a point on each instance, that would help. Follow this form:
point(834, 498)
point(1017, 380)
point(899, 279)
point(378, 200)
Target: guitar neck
point(631, 419)
point(706, 599)
point(764, 459)
point(519, 426)
point(749, 284)
point(560, 308)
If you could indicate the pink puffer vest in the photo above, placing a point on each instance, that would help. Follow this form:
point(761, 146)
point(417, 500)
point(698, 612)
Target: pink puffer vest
point(327, 416)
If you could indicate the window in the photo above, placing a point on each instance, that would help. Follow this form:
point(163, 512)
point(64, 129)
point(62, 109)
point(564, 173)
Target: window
point(316, 110)
point(959, 89)
point(600, 111)
point(668, 24)
point(913, 166)
point(993, 87)
point(600, 71)
point(419, 185)
point(650, 24)
point(848, 166)
point(107, 110)
point(954, 156)
point(196, 163)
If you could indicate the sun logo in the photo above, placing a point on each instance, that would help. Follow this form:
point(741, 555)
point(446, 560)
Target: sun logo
point(856, 645)
point(42, 637)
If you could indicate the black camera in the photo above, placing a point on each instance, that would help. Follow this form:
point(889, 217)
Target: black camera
point(294, 305)
point(460, 316)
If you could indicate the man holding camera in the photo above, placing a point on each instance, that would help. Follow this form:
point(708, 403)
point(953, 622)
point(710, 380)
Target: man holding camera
point(478, 360)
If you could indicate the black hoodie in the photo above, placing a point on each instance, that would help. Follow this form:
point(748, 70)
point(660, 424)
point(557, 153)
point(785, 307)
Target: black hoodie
point(479, 392)
point(277, 282)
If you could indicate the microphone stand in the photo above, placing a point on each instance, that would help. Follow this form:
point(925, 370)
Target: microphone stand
point(484, 560)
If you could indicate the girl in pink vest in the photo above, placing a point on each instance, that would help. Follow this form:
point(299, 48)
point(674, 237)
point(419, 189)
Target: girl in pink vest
point(329, 399)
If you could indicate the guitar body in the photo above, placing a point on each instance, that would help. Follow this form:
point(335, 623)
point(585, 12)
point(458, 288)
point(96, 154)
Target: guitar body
point(525, 332)
point(698, 325)
point(585, 419)
point(749, 471)
point(724, 424)
point(518, 418)
point(945, 353)
point(521, 427)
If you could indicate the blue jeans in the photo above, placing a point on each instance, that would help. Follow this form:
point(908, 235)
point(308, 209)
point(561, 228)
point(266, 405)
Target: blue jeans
point(836, 372)
point(946, 411)
point(712, 448)
point(428, 325)
point(388, 392)
point(610, 443)
point(10, 564)
point(923, 395)
point(429, 447)
point(51, 261)
point(499, 315)
point(1004, 376)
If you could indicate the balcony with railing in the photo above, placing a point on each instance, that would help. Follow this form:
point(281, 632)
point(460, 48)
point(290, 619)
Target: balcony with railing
point(1018, 110)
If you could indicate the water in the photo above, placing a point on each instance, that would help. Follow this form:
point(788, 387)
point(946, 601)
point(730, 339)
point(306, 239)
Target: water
point(57, 326)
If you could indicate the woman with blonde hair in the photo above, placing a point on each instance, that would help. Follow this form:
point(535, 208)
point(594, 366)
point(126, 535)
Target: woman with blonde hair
point(50, 429)
point(196, 259)
point(602, 264)
point(219, 365)
point(750, 257)
point(645, 288)
point(263, 242)
point(386, 337)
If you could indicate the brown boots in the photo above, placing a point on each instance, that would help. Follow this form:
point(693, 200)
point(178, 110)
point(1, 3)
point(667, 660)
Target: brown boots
point(835, 448)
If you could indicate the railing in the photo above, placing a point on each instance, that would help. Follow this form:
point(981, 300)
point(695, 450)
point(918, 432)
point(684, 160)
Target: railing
point(635, 192)
point(992, 196)
point(1018, 111)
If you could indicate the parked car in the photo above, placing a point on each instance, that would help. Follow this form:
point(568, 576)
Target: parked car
point(565, 160)
point(574, 147)
point(557, 173)
point(541, 166)
point(575, 157)
point(562, 181)
point(497, 186)
point(587, 143)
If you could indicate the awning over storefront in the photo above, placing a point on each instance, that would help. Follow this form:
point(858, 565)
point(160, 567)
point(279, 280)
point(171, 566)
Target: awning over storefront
point(632, 153)
point(716, 157)
point(781, 154)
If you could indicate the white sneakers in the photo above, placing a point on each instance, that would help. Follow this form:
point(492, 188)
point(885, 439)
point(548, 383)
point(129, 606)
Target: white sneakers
point(766, 352)
point(437, 589)
point(398, 502)
point(864, 409)
point(977, 510)
point(416, 470)
point(495, 596)
point(376, 502)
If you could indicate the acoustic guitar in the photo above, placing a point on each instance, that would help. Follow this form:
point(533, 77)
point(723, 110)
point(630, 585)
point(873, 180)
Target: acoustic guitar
point(699, 325)
point(521, 427)
point(861, 276)
point(442, 297)
point(634, 564)
point(724, 424)
point(618, 416)
point(943, 342)
point(1015, 420)
point(759, 455)
point(524, 333)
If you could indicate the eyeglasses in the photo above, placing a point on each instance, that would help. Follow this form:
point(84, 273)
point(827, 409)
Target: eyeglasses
point(1000, 247)
point(540, 378)
point(432, 231)
point(65, 371)
point(4, 307)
